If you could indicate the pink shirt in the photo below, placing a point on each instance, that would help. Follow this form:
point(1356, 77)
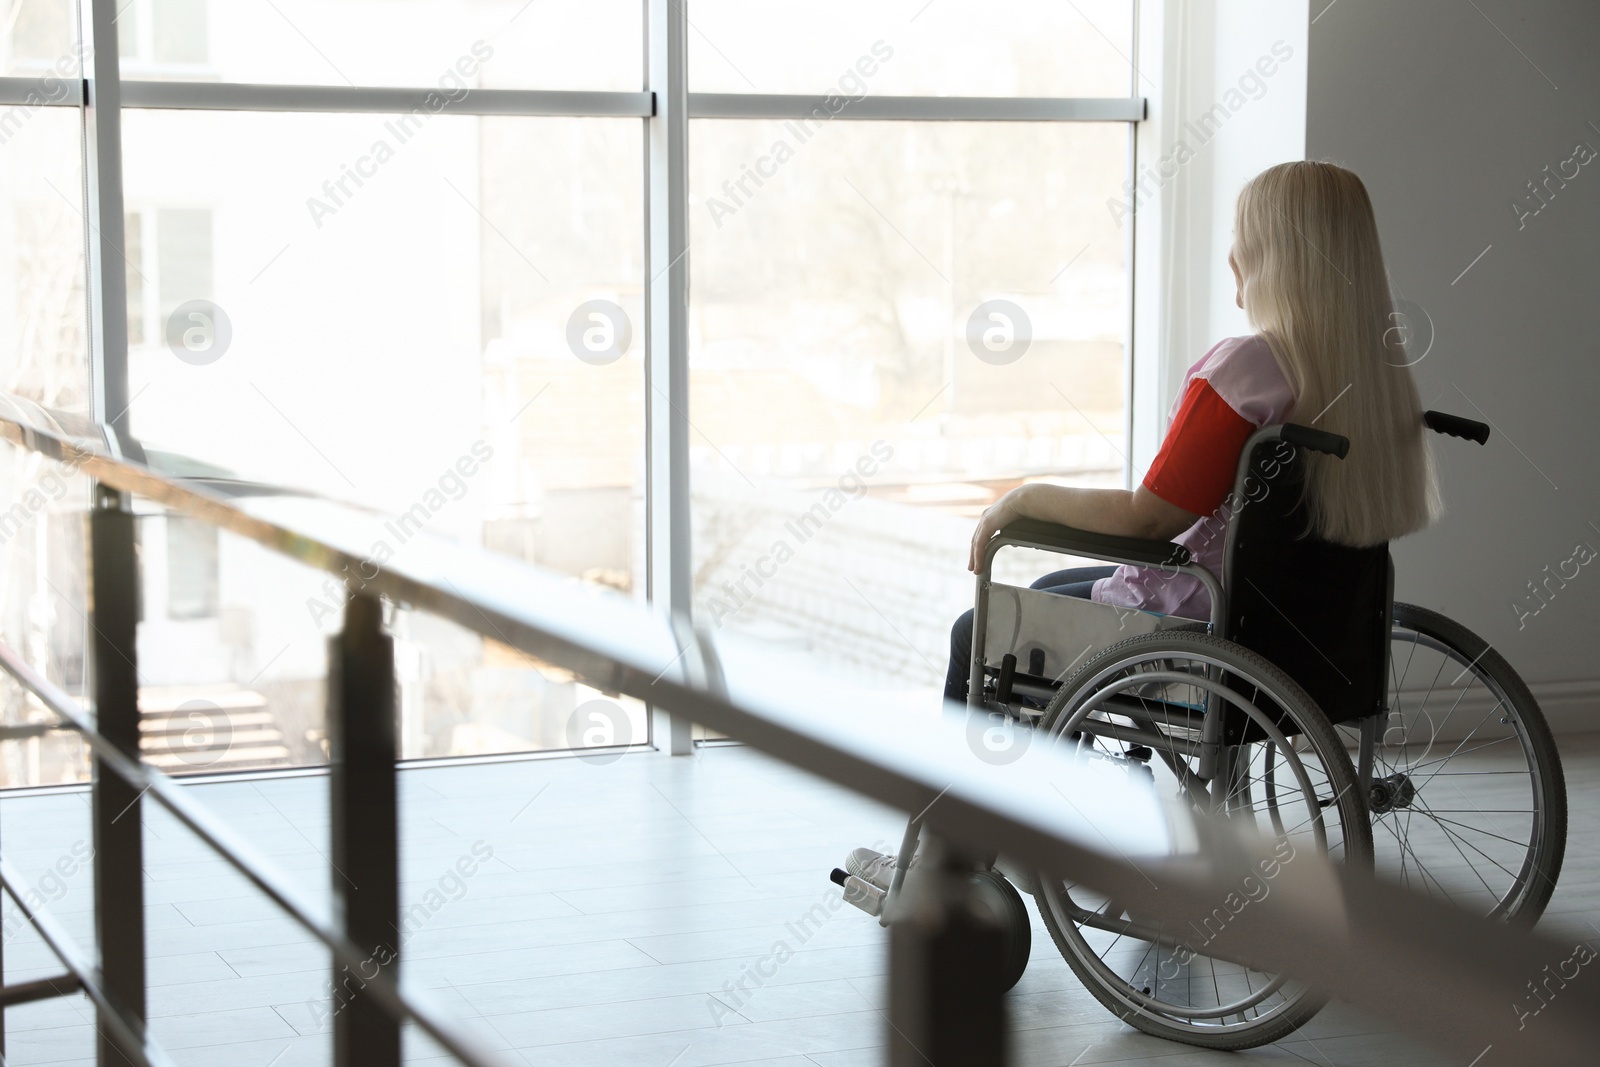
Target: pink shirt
point(1230, 392)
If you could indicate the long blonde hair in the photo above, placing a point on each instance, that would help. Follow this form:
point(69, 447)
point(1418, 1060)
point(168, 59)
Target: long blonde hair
point(1306, 247)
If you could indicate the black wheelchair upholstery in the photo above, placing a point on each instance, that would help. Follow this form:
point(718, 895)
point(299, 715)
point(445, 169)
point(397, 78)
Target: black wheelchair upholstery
point(1318, 610)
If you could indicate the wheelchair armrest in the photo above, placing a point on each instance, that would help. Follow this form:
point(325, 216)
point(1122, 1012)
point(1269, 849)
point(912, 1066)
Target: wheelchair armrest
point(1040, 534)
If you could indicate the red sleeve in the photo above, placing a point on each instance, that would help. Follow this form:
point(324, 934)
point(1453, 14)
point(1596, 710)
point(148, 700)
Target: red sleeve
point(1199, 457)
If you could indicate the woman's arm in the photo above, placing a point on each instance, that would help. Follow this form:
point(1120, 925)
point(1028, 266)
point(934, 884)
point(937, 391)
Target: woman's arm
point(1139, 513)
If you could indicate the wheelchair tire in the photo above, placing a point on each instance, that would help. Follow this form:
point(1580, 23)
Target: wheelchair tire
point(1297, 783)
point(1002, 900)
point(1484, 823)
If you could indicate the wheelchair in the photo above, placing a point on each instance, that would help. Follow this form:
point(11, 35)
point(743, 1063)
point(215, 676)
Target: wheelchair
point(1311, 704)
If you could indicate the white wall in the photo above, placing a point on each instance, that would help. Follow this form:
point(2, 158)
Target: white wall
point(1447, 117)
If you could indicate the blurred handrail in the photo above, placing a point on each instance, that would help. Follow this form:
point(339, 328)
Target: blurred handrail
point(617, 646)
point(1424, 965)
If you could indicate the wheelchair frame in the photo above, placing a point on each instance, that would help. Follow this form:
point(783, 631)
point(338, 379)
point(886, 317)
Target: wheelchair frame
point(1131, 551)
point(1174, 559)
point(1211, 755)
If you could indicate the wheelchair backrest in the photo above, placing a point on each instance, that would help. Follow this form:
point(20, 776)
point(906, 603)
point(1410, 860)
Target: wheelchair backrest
point(1318, 610)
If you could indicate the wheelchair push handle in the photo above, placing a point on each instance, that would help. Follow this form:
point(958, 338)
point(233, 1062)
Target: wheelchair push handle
point(1456, 426)
point(1332, 444)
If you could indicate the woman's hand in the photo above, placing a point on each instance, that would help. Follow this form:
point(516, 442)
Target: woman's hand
point(999, 514)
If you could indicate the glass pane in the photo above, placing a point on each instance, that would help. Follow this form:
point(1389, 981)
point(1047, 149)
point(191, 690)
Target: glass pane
point(193, 569)
point(183, 256)
point(912, 47)
point(462, 694)
point(232, 650)
point(178, 31)
point(447, 328)
point(38, 39)
point(132, 253)
point(43, 606)
point(457, 45)
point(42, 305)
point(902, 322)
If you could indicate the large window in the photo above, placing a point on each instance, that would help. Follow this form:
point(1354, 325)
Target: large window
point(416, 256)
point(592, 45)
point(894, 322)
point(43, 359)
point(995, 48)
point(378, 305)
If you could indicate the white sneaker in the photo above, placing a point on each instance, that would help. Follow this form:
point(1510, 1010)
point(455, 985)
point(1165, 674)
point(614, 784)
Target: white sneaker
point(874, 868)
point(877, 868)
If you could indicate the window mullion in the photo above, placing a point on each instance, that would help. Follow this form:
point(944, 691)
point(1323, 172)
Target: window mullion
point(103, 215)
point(667, 325)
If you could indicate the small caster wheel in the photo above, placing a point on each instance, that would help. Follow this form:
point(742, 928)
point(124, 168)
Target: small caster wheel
point(1003, 901)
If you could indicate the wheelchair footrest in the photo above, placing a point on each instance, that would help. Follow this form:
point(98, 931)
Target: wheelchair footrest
point(864, 895)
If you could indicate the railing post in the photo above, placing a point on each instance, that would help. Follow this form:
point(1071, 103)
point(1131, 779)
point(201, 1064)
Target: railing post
point(946, 1007)
point(116, 810)
point(364, 815)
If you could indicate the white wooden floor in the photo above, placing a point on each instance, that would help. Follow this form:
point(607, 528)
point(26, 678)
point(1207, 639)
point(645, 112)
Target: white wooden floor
point(607, 912)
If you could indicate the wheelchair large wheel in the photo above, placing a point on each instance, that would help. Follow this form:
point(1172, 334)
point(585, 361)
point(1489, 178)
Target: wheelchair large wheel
point(1467, 797)
point(1290, 775)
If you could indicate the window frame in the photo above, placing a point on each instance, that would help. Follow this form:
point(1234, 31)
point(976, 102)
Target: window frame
point(664, 105)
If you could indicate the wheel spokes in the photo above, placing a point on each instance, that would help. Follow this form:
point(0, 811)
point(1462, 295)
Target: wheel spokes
point(1468, 854)
point(1287, 793)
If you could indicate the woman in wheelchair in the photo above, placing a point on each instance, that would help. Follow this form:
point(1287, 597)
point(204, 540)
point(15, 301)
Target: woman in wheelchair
point(1292, 578)
point(1310, 276)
